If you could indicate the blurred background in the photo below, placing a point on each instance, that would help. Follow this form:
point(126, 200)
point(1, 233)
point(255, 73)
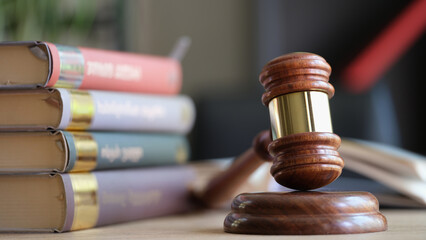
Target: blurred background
point(231, 41)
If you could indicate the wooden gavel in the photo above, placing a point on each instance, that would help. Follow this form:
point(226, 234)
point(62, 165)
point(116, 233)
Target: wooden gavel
point(304, 152)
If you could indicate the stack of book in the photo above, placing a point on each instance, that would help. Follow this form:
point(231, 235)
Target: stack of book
point(76, 126)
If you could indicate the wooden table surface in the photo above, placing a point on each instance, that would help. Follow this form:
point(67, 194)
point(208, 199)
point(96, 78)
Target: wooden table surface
point(403, 225)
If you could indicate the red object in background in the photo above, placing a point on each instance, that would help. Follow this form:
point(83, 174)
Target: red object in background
point(375, 59)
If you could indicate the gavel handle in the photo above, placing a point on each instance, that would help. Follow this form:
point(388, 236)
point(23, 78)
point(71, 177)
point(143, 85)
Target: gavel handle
point(223, 187)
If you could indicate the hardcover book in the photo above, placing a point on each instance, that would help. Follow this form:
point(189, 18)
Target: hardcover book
point(65, 202)
point(44, 109)
point(389, 158)
point(41, 64)
point(79, 151)
point(72, 201)
point(395, 168)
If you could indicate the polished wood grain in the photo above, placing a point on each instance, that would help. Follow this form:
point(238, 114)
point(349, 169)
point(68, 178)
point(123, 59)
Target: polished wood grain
point(295, 72)
point(306, 161)
point(305, 213)
point(303, 161)
point(223, 187)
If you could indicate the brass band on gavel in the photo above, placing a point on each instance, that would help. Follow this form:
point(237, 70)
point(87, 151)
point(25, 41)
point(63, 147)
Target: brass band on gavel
point(300, 112)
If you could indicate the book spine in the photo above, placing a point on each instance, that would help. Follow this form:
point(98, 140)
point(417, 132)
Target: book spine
point(109, 197)
point(87, 68)
point(101, 110)
point(90, 151)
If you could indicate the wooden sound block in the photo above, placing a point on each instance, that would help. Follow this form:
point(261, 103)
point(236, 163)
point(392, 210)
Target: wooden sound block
point(305, 213)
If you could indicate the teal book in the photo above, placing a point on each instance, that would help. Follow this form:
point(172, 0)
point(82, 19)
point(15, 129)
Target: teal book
point(67, 151)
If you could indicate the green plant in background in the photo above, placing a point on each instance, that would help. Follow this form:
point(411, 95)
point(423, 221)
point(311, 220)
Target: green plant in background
point(47, 20)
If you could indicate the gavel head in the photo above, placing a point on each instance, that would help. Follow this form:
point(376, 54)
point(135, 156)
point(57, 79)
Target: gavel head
point(304, 146)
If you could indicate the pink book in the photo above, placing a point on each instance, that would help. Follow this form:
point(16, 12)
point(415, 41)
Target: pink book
point(42, 64)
